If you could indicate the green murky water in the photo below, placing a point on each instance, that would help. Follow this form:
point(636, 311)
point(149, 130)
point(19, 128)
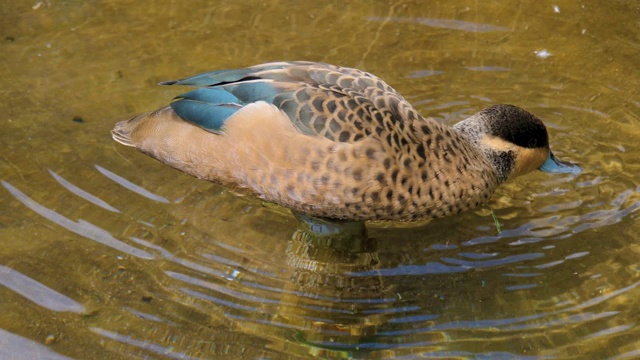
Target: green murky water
point(107, 254)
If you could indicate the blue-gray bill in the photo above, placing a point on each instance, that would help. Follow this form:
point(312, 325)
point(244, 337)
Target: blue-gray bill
point(553, 165)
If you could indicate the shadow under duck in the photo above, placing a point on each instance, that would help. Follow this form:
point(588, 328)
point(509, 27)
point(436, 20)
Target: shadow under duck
point(335, 142)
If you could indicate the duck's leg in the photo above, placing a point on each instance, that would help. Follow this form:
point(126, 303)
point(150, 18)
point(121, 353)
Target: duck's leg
point(339, 235)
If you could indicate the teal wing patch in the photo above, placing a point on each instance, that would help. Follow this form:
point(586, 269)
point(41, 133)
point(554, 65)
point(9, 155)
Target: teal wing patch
point(206, 107)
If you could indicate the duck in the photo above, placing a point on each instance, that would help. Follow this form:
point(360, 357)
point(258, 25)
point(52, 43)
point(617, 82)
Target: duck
point(337, 143)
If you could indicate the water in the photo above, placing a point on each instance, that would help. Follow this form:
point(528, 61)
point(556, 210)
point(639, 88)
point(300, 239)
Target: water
point(108, 254)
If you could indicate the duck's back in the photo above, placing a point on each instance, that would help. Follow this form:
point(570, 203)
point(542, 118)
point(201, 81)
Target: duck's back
point(327, 141)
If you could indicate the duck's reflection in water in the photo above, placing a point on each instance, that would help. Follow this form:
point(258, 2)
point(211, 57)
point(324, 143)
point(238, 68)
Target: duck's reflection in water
point(332, 309)
point(321, 255)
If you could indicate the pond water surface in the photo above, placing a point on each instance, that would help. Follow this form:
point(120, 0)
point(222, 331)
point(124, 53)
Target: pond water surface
point(108, 254)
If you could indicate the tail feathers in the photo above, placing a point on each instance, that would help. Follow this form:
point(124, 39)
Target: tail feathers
point(122, 131)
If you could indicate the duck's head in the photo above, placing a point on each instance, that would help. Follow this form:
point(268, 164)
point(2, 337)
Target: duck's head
point(515, 141)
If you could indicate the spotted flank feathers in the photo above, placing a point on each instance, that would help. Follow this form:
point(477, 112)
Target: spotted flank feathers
point(336, 142)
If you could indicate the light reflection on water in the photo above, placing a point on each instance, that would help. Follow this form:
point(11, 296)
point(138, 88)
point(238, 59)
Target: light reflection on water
point(107, 254)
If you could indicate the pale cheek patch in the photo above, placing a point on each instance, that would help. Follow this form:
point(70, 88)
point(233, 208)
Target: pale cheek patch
point(526, 160)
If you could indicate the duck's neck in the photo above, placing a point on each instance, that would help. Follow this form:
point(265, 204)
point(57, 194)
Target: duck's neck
point(474, 129)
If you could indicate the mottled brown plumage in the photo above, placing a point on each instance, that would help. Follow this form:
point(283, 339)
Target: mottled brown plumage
point(335, 142)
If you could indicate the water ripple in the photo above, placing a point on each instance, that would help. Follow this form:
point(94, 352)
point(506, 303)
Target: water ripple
point(37, 292)
point(13, 346)
point(82, 193)
point(143, 344)
point(80, 227)
point(131, 186)
point(442, 23)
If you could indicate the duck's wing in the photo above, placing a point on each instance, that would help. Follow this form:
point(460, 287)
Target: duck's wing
point(341, 104)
